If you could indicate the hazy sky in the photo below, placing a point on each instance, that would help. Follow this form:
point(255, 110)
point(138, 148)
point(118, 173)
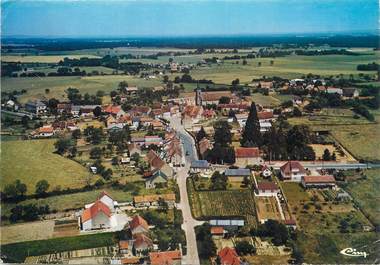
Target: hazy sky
point(185, 17)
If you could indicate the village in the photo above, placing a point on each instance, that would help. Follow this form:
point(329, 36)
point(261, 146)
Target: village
point(186, 145)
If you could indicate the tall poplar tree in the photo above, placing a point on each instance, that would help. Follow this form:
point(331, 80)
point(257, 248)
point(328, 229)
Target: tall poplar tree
point(251, 134)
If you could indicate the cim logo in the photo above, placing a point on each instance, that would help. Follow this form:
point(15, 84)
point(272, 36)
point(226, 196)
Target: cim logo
point(353, 253)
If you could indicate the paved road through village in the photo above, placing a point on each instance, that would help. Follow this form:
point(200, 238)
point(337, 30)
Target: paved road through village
point(189, 223)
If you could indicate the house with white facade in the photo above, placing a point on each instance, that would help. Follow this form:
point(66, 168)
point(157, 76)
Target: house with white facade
point(292, 171)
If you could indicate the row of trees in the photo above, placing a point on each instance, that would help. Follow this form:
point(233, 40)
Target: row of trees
point(17, 190)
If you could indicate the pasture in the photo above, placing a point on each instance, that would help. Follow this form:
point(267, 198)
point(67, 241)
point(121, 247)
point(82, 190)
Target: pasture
point(226, 203)
point(42, 58)
point(35, 86)
point(34, 160)
point(366, 194)
point(286, 67)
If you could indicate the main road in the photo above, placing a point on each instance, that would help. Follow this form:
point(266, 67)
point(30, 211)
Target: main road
point(189, 222)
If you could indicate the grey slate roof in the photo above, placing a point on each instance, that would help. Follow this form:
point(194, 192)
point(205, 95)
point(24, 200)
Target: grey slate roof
point(200, 164)
point(237, 172)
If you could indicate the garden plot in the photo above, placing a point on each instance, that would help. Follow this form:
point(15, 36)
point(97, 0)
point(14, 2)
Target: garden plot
point(267, 208)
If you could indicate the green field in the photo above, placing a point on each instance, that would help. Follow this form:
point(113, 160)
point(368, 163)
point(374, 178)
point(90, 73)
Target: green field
point(286, 67)
point(41, 58)
point(228, 203)
point(366, 194)
point(33, 160)
point(353, 134)
point(17, 252)
point(36, 86)
point(318, 235)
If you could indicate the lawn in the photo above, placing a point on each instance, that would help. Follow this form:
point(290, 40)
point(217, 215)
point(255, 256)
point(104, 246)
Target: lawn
point(366, 194)
point(227, 203)
point(34, 160)
point(17, 252)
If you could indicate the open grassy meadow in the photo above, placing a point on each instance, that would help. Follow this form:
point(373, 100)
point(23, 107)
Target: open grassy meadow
point(286, 67)
point(35, 86)
point(42, 58)
point(366, 194)
point(34, 160)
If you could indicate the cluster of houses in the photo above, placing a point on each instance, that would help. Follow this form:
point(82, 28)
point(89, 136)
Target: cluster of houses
point(136, 246)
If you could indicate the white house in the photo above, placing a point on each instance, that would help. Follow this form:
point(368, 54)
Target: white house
point(292, 171)
point(98, 216)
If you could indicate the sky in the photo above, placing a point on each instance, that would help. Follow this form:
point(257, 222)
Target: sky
point(111, 18)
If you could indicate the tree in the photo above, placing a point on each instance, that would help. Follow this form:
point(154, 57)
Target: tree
point(218, 181)
point(25, 121)
point(326, 155)
point(259, 64)
point(224, 100)
point(41, 187)
point(96, 153)
point(201, 134)
point(235, 82)
point(10, 191)
point(333, 157)
point(76, 134)
point(297, 112)
point(244, 248)
point(207, 247)
point(222, 135)
point(107, 174)
point(251, 134)
point(62, 145)
point(246, 181)
point(244, 62)
point(20, 187)
point(97, 111)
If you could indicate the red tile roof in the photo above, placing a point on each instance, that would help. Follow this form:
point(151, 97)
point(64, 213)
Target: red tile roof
point(265, 115)
point(97, 207)
point(291, 165)
point(217, 230)
point(243, 152)
point(134, 260)
point(319, 179)
point(104, 193)
point(141, 239)
point(165, 257)
point(228, 256)
point(267, 186)
point(112, 109)
point(46, 129)
point(123, 244)
point(154, 160)
point(215, 95)
point(138, 221)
